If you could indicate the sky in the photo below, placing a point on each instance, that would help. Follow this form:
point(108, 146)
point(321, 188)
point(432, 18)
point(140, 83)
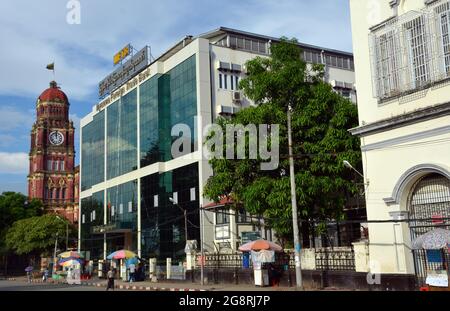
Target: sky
point(36, 33)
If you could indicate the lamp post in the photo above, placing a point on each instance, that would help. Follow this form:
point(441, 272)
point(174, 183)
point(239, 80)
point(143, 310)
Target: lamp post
point(348, 165)
point(202, 250)
point(54, 253)
point(297, 246)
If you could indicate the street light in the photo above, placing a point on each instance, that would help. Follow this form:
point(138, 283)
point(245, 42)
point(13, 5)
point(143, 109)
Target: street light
point(297, 246)
point(348, 165)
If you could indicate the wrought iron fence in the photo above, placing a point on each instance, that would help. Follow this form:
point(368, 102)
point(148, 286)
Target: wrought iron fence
point(335, 259)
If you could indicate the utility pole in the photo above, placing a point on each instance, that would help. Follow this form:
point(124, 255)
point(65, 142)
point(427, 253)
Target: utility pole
point(67, 235)
point(297, 246)
point(54, 253)
point(202, 250)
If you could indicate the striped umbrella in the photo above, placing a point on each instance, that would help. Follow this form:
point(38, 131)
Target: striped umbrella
point(70, 254)
point(122, 254)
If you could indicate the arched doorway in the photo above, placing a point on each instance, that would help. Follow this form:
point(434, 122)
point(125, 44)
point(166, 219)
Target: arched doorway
point(429, 208)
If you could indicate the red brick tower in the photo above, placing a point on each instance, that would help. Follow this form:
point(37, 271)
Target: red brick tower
point(52, 177)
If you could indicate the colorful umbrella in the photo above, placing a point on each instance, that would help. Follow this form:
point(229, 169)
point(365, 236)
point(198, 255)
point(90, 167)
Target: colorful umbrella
point(61, 262)
point(71, 262)
point(122, 254)
point(70, 254)
point(260, 245)
point(29, 269)
point(130, 261)
point(434, 239)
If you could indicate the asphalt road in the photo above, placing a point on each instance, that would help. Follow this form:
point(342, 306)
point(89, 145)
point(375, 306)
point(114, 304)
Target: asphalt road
point(23, 286)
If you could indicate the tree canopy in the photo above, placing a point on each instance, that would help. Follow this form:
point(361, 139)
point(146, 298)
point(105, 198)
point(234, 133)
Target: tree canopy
point(13, 207)
point(37, 234)
point(320, 122)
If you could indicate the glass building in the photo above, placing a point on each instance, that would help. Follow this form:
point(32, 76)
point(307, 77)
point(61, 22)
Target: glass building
point(134, 187)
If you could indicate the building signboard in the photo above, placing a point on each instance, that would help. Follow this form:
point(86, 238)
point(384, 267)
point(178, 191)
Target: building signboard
point(124, 73)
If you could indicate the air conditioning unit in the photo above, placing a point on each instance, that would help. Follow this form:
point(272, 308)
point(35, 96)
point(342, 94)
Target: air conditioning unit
point(237, 97)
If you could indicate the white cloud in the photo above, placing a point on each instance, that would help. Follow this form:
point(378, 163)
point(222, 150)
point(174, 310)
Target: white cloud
point(13, 163)
point(35, 33)
point(11, 118)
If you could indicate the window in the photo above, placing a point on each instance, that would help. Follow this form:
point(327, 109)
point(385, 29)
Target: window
point(443, 12)
point(418, 50)
point(155, 201)
point(112, 210)
point(222, 217)
point(130, 207)
point(220, 81)
point(192, 197)
point(242, 216)
point(62, 166)
point(388, 76)
point(232, 82)
point(63, 195)
point(175, 198)
point(237, 82)
point(120, 208)
point(225, 78)
point(83, 219)
point(49, 165)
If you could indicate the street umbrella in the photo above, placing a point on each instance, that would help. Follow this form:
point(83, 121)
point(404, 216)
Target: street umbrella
point(29, 269)
point(69, 263)
point(62, 262)
point(260, 245)
point(70, 254)
point(434, 239)
point(130, 261)
point(122, 254)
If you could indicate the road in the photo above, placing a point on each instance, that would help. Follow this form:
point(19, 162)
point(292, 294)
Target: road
point(23, 286)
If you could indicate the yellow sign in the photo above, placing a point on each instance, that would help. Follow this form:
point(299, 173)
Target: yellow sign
point(122, 54)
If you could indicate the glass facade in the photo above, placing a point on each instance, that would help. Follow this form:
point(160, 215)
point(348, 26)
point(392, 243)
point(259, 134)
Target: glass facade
point(122, 136)
point(93, 144)
point(162, 222)
point(167, 100)
point(92, 215)
point(122, 215)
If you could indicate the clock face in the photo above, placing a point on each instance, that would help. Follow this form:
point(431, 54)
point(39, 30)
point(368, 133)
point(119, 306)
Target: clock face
point(56, 138)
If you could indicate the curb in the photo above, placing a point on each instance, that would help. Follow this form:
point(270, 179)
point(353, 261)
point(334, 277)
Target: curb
point(147, 288)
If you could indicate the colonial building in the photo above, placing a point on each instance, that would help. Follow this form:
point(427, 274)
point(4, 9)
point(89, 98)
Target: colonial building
point(53, 177)
point(133, 189)
point(402, 58)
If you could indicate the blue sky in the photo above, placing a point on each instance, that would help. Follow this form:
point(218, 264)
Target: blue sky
point(35, 33)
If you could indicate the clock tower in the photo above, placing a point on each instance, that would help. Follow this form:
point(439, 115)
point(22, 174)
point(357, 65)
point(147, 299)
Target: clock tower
point(53, 177)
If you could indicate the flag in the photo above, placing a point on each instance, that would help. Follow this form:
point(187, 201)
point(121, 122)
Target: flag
point(51, 66)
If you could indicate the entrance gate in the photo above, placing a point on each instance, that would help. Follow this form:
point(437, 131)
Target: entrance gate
point(429, 208)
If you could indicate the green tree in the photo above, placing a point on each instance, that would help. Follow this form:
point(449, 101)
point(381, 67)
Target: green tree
point(320, 122)
point(13, 207)
point(36, 235)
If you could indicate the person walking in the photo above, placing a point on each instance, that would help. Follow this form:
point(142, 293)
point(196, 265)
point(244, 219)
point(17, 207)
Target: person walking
point(110, 276)
point(45, 275)
point(132, 270)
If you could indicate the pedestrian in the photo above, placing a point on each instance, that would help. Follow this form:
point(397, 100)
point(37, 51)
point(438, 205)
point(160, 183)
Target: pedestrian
point(45, 275)
point(110, 276)
point(29, 276)
point(132, 269)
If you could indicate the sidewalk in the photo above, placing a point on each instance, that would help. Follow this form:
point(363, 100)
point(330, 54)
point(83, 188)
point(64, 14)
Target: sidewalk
point(177, 286)
point(181, 286)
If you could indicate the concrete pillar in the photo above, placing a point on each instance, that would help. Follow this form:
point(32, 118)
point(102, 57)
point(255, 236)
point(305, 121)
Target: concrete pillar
point(361, 250)
point(152, 268)
point(168, 268)
point(100, 269)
